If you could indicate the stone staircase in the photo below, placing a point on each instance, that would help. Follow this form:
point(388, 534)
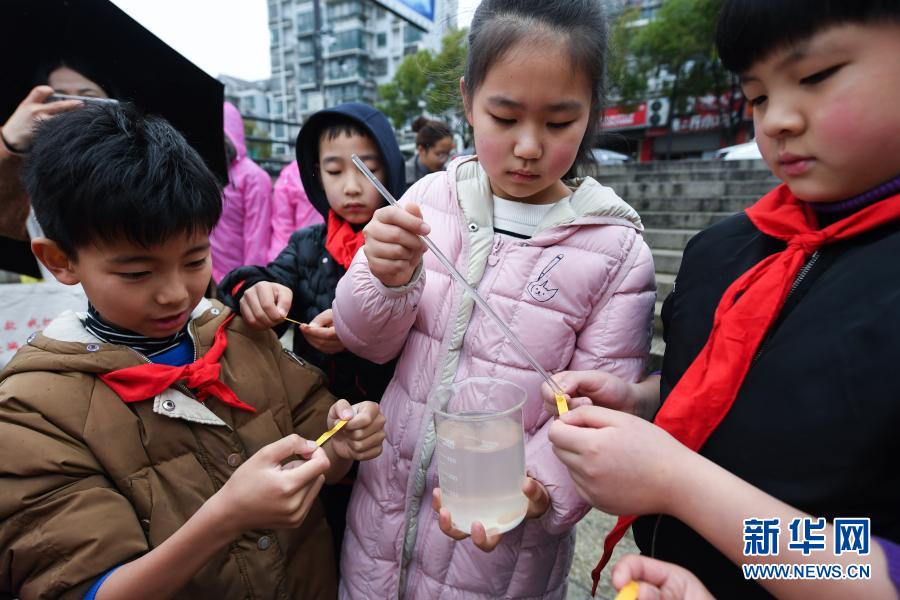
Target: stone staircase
point(677, 199)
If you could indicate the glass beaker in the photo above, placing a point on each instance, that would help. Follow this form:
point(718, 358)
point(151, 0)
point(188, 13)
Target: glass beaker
point(481, 452)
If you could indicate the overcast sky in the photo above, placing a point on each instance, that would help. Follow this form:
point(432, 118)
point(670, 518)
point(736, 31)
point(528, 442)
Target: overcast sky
point(222, 36)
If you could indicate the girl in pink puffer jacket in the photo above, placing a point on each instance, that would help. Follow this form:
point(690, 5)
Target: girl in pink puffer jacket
point(563, 262)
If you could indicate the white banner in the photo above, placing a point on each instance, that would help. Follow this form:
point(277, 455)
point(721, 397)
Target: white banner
point(29, 307)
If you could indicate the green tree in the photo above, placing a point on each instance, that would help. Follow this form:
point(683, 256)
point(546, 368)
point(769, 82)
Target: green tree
point(677, 48)
point(400, 98)
point(426, 80)
point(447, 68)
point(258, 144)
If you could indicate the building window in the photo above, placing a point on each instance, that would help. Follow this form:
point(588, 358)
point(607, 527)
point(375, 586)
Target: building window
point(344, 10)
point(382, 39)
point(411, 34)
point(306, 47)
point(341, 68)
point(351, 39)
point(379, 67)
point(306, 22)
point(338, 94)
point(307, 74)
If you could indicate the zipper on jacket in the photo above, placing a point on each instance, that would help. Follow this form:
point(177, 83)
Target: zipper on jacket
point(800, 277)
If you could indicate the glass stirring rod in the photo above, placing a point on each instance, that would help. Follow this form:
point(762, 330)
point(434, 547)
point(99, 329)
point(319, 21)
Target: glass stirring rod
point(561, 404)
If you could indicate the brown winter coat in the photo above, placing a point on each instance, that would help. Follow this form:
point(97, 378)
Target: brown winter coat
point(88, 482)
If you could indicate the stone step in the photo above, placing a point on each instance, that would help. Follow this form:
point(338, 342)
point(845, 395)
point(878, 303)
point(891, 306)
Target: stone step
point(681, 220)
point(664, 284)
point(699, 175)
point(657, 318)
point(669, 239)
point(681, 165)
point(681, 204)
point(657, 350)
point(681, 190)
point(666, 261)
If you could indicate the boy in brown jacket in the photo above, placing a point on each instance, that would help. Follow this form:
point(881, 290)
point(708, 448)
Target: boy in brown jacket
point(150, 445)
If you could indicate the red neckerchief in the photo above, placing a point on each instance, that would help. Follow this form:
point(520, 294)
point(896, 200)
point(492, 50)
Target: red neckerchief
point(706, 391)
point(341, 241)
point(141, 382)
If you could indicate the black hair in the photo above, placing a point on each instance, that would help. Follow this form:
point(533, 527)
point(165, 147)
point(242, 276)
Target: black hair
point(109, 173)
point(750, 30)
point(339, 125)
point(429, 131)
point(500, 24)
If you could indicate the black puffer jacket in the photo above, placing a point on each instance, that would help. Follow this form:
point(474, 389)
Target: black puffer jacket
point(310, 271)
point(815, 421)
point(312, 274)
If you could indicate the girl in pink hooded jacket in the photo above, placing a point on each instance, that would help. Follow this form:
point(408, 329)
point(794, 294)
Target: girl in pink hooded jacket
point(562, 261)
point(291, 209)
point(243, 233)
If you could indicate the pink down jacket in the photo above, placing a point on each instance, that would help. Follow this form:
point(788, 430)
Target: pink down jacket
point(291, 209)
point(243, 233)
point(579, 294)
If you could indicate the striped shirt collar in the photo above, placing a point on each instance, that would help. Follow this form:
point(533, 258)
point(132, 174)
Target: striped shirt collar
point(112, 334)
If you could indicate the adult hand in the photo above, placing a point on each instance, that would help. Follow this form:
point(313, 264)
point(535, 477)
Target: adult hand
point(321, 335)
point(393, 246)
point(620, 463)
point(19, 128)
point(266, 304)
point(538, 504)
point(658, 580)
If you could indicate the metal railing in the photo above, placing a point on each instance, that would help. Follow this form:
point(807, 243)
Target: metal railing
point(271, 160)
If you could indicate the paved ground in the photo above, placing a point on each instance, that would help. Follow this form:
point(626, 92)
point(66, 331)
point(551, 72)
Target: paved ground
point(590, 535)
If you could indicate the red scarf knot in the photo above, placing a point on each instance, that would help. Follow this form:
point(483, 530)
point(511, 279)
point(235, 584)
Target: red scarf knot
point(706, 391)
point(141, 382)
point(809, 242)
point(341, 241)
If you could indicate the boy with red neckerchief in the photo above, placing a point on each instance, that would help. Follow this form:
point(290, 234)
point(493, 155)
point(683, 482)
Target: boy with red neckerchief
point(150, 444)
point(300, 283)
point(778, 388)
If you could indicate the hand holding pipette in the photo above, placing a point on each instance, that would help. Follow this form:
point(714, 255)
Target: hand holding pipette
point(398, 265)
point(393, 248)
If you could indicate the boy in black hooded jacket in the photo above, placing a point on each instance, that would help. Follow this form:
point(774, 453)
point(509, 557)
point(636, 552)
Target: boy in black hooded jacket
point(300, 283)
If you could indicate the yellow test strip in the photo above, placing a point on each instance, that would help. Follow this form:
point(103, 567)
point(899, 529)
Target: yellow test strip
point(327, 435)
point(628, 592)
point(293, 321)
point(561, 405)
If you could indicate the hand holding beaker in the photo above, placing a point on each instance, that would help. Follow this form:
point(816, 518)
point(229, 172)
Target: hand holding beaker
point(538, 504)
